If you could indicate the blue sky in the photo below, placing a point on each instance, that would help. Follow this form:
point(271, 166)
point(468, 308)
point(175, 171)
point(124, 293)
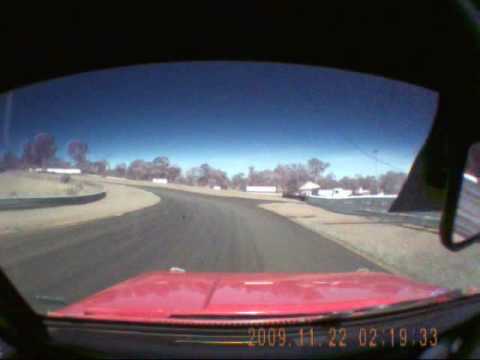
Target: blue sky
point(229, 114)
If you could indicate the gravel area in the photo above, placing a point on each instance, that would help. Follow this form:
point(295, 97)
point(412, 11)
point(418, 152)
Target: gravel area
point(412, 251)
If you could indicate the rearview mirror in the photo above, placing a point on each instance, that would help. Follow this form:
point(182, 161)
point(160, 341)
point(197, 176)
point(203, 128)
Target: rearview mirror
point(466, 228)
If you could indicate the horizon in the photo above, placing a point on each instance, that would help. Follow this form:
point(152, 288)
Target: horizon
point(231, 115)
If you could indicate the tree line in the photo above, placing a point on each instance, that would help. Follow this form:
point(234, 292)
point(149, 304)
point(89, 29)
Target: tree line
point(41, 151)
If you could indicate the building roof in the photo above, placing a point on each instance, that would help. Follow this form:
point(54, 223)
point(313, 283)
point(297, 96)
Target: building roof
point(309, 185)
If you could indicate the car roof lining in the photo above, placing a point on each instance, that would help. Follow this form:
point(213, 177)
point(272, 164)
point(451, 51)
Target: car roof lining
point(413, 45)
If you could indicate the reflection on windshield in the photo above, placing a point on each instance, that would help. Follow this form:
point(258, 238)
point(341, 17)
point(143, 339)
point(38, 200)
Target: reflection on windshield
point(223, 167)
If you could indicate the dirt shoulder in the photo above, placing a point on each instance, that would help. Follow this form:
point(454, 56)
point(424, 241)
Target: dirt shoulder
point(118, 201)
point(412, 251)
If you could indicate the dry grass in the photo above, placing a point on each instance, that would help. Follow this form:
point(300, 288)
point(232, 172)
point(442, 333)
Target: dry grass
point(25, 184)
point(119, 200)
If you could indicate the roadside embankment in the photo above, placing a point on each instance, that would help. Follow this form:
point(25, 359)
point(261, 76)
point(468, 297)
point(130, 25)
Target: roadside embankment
point(192, 189)
point(117, 201)
point(23, 184)
point(407, 250)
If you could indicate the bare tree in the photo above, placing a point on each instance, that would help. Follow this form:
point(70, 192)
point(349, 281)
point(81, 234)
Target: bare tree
point(120, 170)
point(78, 152)
point(29, 157)
point(328, 182)
point(59, 163)
point(349, 183)
point(182, 180)
point(100, 167)
point(368, 183)
point(173, 173)
point(138, 170)
point(10, 161)
point(288, 177)
point(282, 176)
point(220, 178)
point(297, 175)
point(193, 175)
point(239, 181)
point(159, 167)
point(263, 178)
point(45, 147)
point(205, 173)
point(162, 161)
point(40, 150)
point(266, 178)
point(316, 168)
point(251, 175)
point(392, 182)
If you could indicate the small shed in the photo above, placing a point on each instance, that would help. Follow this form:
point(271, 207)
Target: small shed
point(361, 191)
point(307, 188)
point(262, 189)
point(332, 193)
point(63, 171)
point(160, 180)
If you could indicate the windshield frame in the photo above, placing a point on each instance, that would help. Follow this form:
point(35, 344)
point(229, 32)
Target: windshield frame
point(20, 317)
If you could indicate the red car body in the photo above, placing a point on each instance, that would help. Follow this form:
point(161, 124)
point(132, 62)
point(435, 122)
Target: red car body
point(213, 298)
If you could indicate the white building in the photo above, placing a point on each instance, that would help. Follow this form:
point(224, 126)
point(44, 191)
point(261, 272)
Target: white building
point(262, 189)
point(60, 171)
point(332, 193)
point(361, 191)
point(160, 180)
point(216, 187)
point(307, 188)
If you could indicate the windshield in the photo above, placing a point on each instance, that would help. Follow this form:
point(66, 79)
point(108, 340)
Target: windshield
point(197, 189)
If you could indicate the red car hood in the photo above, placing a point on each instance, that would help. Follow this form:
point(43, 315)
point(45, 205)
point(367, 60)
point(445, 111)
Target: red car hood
point(166, 297)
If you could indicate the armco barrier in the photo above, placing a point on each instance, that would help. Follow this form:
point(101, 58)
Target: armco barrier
point(374, 206)
point(354, 204)
point(41, 202)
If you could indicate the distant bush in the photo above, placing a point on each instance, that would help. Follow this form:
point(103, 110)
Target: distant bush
point(65, 178)
point(72, 191)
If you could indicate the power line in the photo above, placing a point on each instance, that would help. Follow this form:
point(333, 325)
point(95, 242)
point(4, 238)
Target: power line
point(367, 154)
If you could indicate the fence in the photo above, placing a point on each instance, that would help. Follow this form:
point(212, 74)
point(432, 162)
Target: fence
point(160, 181)
point(376, 206)
point(262, 189)
point(40, 202)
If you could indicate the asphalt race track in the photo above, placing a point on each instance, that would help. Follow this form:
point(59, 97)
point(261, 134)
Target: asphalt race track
point(192, 231)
